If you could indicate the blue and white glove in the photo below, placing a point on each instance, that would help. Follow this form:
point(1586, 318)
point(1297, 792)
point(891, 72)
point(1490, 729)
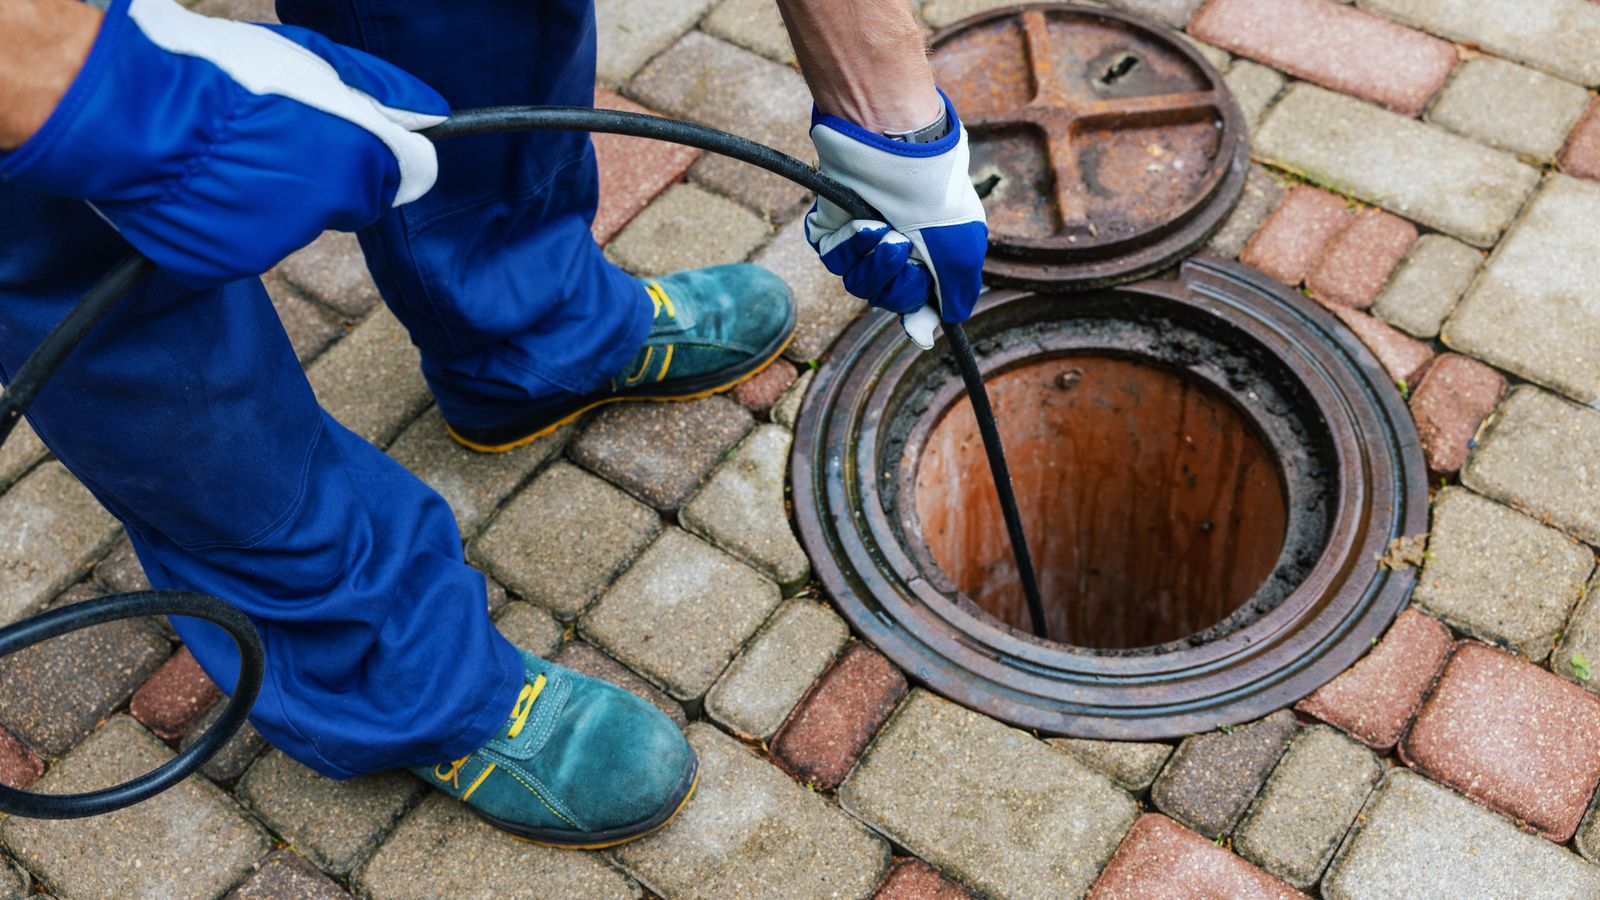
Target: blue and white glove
point(217, 148)
point(926, 261)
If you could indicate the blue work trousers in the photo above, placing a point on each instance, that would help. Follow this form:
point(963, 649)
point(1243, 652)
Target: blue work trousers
point(188, 416)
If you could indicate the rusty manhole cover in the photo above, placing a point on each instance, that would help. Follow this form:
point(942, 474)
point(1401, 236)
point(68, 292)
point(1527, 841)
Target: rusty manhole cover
point(1106, 148)
point(1208, 464)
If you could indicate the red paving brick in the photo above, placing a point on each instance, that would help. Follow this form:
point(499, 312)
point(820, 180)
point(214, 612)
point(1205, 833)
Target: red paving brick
point(1162, 860)
point(761, 392)
point(19, 766)
point(1294, 236)
point(1358, 262)
point(175, 697)
point(1336, 46)
point(1456, 394)
point(1402, 355)
point(1374, 700)
point(912, 879)
point(1581, 156)
point(838, 717)
point(1512, 736)
point(633, 171)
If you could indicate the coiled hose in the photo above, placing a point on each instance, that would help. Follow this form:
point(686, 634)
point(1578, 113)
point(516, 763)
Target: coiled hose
point(134, 268)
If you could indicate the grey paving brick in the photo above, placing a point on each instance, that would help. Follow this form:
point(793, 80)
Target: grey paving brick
point(1578, 655)
point(749, 832)
point(762, 686)
point(1254, 87)
point(630, 32)
point(1262, 191)
point(236, 755)
point(824, 307)
point(1310, 800)
point(660, 452)
point(1541, 454)
point(443, 850)
point(337, 824)
point(681, 613)
point(1533, 311)
point(241, 10)
point(1509, 106)
point(584, 659)
point(687, 227)
point(474, 484)
point(753, 25)
point(369, 381)
point(1417, 839)
point(1219, 58)
point(15, 884)
point(189, 841)
point(285, 875)
point(1130, 765)
point(711, 81)
point(311, 330)
point(1418, 171)
point(530, 627)
point(21, 451)
point(1169, 12)
point(54, 529)
point(741, 507)
point(786, 411)
point(940, 13)
point(564, 538)
point(1499, 575)
point(1426, 285)
point(56, 692)
point(1558, 36)
point(121, 570)
point(930, 783)
point(332, 270)
point(1213, 777)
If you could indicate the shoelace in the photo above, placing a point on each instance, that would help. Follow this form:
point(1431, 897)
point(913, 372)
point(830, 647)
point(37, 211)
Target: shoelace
point(660, 300)
point(519, 718)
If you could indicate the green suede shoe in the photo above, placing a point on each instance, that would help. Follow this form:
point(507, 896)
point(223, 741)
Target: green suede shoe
point(713, 329)
point(580, 764)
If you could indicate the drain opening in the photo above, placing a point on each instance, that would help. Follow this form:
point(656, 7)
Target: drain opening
point(1154, 508)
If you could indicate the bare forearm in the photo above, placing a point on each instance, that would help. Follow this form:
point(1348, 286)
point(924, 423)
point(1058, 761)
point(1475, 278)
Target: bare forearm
point(43, 44)
point(865, 61)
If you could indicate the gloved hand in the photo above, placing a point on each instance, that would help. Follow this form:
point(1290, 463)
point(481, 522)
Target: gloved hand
point(217, 148)
point(926, 261)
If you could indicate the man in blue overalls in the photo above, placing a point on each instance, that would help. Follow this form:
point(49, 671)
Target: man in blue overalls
point(216, 148)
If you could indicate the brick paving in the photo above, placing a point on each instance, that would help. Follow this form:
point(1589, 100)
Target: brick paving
point(1429, 170)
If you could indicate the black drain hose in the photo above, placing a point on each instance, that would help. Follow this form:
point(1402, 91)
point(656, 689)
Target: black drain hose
point(131, 270)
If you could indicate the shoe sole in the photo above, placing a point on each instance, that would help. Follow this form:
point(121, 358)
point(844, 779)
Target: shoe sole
point(562, 839)
point(723, 381)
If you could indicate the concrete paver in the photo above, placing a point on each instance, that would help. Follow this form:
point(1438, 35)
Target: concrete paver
point(54, 528)
point(586, 660)
point(1262, 193)
point(762, 686)
point(529, 627)
point(633, 171)
point(1130, 765)
point(1532, 311)
point(1309, 801)
point(19, 765)
point(630, 32)
point(1450, 404)
point(753, 25)
point(751, 832)
point(1358, 261)
point(1498, 575)
point(930, 784)
point(660, 452)
point(1580, 642)
point(1401, 355)
point(760, 393)
point(175, 697)
point(1295, 235)
point(473, 483)
point(823, 306)
point(741, 507)
point(912, 879)
point(1424, 288)
point(1541, 455)
point(564, 538)
point(21, 451)
point(1419, 171)
point(1162, 860)
point(681, 613)
point(687, 227)
point(787, 410)
point(1510, 106)
point(1581, 155)
point(332, 270)
point(838, 718)
point(1374, 700)
point(235, 756)
point(1212, 778)
point(1558, 36)
point(1418, 839)
point(284, 875)
point(190, 841)
point(370, 380)
point(1254, 87)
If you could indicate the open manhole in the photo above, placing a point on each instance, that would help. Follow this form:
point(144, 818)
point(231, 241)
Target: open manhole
point(1105, 147)
point(1208, 465)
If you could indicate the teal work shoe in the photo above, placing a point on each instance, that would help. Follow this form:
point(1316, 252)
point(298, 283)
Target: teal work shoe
point(580, 764)
point(713, 329)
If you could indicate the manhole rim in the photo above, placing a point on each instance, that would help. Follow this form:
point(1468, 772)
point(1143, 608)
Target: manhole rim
point(1266, 665)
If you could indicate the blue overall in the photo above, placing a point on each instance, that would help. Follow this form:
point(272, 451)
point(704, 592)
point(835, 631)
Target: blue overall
point(188, 416)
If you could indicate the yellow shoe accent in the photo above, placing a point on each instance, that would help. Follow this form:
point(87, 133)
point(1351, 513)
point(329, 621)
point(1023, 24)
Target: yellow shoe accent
point(481, 776)
point(524, 705)
point(572, 417)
